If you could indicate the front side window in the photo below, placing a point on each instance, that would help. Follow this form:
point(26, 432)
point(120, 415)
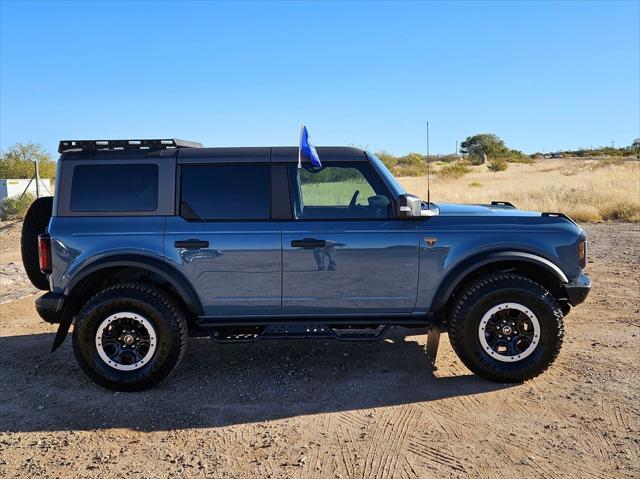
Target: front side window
point(339, 191)
point(225, 192)
point(114, 188)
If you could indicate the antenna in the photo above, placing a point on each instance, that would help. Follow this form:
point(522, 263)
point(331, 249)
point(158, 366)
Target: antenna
point(428, 171)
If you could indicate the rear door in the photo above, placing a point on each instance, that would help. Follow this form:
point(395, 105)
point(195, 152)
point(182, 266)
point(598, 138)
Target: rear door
point(223, 240)
point(344, 253)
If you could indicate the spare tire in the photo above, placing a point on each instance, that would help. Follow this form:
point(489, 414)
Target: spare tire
point(35, 223)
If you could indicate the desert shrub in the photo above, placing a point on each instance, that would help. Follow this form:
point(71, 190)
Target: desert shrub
point(410, 165)
point(409, 170)
point(497, 164)
point(15, 206)
point(621, 211)
point(475, 184)
point(453, 170)
point(474, 159)
point(584, 213)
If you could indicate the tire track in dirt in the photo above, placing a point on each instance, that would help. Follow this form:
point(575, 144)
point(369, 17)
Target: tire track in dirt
point(423, 447)
point(388, 443)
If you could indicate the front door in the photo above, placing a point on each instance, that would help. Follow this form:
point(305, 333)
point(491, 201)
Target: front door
point(224, 242)
point(343, 253)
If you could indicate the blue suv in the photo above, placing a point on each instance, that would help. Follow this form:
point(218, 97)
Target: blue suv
point(147, 242)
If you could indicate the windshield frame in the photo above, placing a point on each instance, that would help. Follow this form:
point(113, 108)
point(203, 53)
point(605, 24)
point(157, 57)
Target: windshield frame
point(392, 183)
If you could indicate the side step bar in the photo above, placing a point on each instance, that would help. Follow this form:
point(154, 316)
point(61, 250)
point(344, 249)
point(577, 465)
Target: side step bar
point(297, 330)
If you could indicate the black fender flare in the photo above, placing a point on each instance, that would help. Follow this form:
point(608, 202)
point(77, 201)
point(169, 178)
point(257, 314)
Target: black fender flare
point(154, 265)
point(459, 272)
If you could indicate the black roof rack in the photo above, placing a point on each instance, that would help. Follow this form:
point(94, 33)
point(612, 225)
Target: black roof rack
point(503, 203)
point(557, 215)
point(93, 145)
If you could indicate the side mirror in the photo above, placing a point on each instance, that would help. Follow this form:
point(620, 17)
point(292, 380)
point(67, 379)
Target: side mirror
point(409, 206)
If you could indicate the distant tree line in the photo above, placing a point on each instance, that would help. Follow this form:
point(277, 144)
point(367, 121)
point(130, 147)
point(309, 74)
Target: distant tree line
point(631, 150)
point(489, 149)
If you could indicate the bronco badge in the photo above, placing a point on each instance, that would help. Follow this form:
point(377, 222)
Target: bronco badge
point(430, 240)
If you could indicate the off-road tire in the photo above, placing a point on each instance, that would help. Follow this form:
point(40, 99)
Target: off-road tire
point(481, 295)
point(158, 307)
point(35, 223)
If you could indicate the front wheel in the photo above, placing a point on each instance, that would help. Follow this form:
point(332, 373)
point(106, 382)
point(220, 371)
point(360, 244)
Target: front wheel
point(129, 337)
point(506, 328)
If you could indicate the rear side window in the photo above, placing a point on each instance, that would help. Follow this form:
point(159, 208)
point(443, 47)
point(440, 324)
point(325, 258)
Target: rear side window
point(117, 188)
point(225, 192)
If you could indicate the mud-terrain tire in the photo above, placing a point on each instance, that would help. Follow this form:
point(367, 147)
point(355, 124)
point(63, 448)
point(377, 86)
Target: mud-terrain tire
point(509, 295)
point(154, 311)
point(35, 223)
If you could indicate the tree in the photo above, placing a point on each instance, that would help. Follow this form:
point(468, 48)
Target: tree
point(635, 146)
point(17, 161)
point(482, 146)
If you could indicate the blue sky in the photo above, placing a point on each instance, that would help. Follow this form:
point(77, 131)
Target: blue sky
point(538, 74)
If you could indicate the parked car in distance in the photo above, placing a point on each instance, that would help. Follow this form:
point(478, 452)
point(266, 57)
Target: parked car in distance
point(147, 242)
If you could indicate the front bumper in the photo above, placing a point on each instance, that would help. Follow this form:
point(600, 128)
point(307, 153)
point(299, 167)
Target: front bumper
point(578, 290)
point(49, 307)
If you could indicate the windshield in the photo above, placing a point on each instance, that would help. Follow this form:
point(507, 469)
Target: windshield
point(395, 187)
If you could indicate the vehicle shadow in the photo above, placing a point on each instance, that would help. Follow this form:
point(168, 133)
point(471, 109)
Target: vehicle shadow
point(220, 384)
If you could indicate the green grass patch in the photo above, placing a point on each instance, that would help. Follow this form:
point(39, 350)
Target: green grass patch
point(335, 193)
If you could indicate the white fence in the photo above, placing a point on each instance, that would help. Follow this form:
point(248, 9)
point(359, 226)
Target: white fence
point(15, 187)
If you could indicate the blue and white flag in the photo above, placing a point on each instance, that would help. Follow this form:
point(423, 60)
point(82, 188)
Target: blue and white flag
point(307, 149)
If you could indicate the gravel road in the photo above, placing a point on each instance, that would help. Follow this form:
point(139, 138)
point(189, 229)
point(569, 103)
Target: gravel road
point(318, 409)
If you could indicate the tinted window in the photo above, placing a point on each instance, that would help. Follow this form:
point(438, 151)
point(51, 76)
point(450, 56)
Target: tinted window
point(225, 192)
point(339, 191)
point(117, 187)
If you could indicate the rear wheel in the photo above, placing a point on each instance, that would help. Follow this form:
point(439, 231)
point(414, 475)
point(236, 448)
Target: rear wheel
point(35, 223)
point(506, 328)
point(129, 337)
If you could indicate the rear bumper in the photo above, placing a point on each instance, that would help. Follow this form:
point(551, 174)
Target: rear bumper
point(578, 290)
point(49, 307)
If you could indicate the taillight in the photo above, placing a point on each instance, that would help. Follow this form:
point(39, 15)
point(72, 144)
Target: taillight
point(44, 253)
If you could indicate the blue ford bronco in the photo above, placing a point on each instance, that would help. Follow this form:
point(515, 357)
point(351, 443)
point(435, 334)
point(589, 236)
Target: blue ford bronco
point(147, 242)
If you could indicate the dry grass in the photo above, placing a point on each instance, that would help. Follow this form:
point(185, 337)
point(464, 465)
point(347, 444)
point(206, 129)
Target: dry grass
point(586, 190)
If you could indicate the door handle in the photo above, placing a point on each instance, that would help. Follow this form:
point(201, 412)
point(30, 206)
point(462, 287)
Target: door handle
point(191, 244)
point(308, 243)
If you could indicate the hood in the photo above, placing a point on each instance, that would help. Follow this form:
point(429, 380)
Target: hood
point(455, 209)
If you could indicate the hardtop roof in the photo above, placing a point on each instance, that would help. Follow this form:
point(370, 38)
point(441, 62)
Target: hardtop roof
point(224, 154)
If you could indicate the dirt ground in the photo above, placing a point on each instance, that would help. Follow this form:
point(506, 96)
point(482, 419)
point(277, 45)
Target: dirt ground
point(311, 409)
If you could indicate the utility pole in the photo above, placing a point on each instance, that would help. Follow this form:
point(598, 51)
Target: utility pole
point(456, 147)
point(428, 172)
